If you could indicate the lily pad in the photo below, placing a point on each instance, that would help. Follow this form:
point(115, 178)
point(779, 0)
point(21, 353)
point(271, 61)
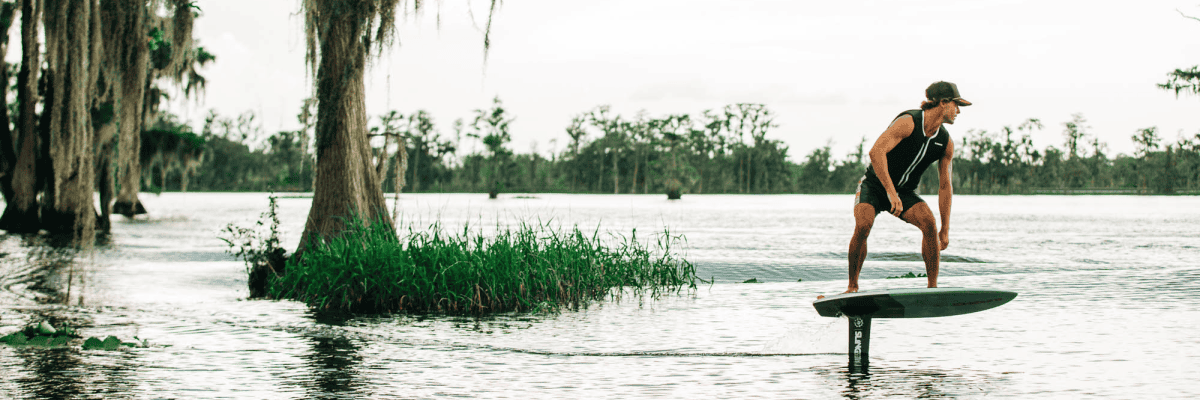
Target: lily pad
point(111, 343)
point(15, 338)
point(93, 344)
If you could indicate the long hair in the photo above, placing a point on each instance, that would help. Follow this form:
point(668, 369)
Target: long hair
point(931, 104)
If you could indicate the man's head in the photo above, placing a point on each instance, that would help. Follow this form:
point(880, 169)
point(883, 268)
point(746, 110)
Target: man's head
point(944, 96)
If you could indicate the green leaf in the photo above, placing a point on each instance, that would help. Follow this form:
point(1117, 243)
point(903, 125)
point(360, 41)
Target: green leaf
point(40, 341)
point(111, 343)
point(93, 344)
point(13, 338)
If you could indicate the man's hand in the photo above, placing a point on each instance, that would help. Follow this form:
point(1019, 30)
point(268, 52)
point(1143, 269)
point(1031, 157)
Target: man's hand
point(897, 205)
point(944, 238)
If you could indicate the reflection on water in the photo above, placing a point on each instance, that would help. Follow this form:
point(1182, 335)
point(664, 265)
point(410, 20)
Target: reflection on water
point(882, 382)
point(334, 363)
point(1108, 303)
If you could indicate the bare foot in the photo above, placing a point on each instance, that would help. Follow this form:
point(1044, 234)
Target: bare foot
point(848, 290)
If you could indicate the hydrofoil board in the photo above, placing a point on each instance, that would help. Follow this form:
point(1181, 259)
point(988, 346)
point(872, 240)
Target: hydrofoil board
point(912, 302)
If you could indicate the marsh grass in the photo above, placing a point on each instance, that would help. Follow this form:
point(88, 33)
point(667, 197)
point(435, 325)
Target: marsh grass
point(530, 267)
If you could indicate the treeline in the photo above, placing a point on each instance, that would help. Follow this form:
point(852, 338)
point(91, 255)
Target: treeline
point(719, 151)
point(1005, 161)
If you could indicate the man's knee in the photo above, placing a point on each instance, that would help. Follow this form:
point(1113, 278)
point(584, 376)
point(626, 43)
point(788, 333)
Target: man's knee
point(920, 216)
point(864, 219)
point(862, 230)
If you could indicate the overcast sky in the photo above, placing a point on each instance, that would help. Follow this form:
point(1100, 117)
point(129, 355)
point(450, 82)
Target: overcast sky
point(833, 71)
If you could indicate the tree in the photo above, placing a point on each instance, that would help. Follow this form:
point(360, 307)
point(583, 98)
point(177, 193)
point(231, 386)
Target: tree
point(70, 75)
point(142, 46)
point(815, 174)
point(20, 178)
point(339, 36)
point(614, 137)
point(677, 175)
point(576, 132)
point(756, 120)
point(306, 117)
point(423, 139)
point(491, 127)
point(1147, 140)
point(1183, 80)
point(128, 30)
point(1075, 131)
point(390, 130)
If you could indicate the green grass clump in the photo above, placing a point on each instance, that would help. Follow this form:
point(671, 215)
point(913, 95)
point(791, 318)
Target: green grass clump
point(366, 269)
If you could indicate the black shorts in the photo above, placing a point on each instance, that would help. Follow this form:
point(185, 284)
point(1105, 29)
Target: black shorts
point(871, 192)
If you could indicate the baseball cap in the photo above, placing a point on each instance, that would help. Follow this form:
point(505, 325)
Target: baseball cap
point(942, 90)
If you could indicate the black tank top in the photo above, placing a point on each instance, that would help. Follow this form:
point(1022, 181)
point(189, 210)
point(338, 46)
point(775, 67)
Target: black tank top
point(909, 159)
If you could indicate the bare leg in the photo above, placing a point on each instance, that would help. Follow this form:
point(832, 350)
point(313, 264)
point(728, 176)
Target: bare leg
point(864, 219)
point(920, 216)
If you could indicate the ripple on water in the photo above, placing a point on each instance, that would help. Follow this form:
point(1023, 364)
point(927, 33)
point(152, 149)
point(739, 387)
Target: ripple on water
point(1100, 312)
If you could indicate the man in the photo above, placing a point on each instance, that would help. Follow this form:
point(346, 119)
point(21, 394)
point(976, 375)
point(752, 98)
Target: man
point(915, 139)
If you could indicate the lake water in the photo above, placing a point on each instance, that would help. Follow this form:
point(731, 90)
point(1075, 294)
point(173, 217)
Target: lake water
point(1109, 307)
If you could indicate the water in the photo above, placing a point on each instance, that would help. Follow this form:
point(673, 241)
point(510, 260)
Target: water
point(1109, 307)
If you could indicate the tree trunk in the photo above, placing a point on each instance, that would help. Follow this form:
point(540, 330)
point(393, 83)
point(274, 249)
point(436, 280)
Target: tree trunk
point(616, 175)
point(633, 180)
point(105, 145)
point(134, 60)
point(416, 179)
point(21, 212)
point(69, 50)
point(347, 185)
point(8, 153)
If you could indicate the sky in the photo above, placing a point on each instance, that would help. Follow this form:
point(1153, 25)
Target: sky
point(833, 72)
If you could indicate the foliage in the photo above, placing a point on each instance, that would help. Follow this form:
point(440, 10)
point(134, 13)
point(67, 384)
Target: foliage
point(44, 334)
point(260, 250)
point(1006, 162)
point(531, 267)
point(610, 153)
point(233, 161)
point(1183, 81)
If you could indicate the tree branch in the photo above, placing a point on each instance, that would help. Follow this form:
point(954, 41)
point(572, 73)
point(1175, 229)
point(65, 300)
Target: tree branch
point(1187, 16)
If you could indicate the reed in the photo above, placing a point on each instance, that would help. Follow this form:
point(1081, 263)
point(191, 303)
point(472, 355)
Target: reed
point(531, 267)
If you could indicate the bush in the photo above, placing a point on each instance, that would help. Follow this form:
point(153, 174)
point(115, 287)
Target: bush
point(532, 267)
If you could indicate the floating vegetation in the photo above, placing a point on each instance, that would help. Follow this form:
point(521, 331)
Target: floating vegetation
point(908, 275)
point(44, 335)
point(532, 267)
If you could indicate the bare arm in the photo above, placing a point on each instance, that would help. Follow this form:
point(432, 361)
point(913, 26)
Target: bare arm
point(945, 192)
point(897, 131)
